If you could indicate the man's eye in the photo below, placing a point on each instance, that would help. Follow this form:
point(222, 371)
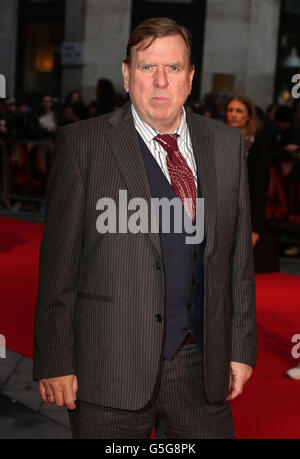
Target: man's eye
point(146, 67)
point(174, 68)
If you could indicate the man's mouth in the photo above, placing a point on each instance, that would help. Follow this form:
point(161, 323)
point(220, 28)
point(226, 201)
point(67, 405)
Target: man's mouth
point(159, 99)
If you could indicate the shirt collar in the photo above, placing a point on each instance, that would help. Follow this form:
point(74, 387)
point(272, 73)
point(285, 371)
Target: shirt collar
point(149, 133)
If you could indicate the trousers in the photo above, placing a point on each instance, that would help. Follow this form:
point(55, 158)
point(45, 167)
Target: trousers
point(178, 408)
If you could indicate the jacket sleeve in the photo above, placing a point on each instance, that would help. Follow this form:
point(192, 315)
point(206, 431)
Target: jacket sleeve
point(59, 263)
point(243, 332)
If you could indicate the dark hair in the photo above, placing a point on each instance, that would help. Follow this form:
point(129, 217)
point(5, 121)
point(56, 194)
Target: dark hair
point(69, 97)
point(46, 95)
point(107, 87)
point(284, 114)
point(260, 114)
point(156, 28)
point(210, 100)
point(271, 107)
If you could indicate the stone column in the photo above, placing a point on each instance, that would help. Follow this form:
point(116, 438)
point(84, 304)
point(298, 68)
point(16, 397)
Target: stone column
point(8, 43)
point(262, 53)
point(107, 28)
point(74, 32)
point(241, 42)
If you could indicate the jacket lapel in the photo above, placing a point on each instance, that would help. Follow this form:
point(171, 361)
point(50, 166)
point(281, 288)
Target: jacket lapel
point(202, 138)
point(123, 140)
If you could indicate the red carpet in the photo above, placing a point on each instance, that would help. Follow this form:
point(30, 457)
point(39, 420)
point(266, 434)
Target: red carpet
point(19, 251)
point(269, 406)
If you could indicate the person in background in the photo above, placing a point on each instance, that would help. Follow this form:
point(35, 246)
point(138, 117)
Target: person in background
point(43, 126)
point(45, 122)
point(285, 96)
point(240, 113)
point(69, 115)
point(196, 107)
point(3, 126)
point(285, 162)
point(265, 125)
point(284, 141)
point(261, 119)
point(271, 110)
point(4, 201)
point(212, 103)
point(75, 101)
point(13, 159)
point(205, 111)
point(105, 101)
point(223, 99)
point(2, 109)
point(14, 120)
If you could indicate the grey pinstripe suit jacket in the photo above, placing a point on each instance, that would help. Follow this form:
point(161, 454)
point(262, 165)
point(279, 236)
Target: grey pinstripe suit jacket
point(99, 293)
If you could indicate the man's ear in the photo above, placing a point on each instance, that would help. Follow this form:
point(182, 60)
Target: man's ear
point(125, 71)
point(192, 71)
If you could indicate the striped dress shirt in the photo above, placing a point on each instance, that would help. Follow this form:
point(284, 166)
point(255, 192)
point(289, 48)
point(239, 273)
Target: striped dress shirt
point(159, 153)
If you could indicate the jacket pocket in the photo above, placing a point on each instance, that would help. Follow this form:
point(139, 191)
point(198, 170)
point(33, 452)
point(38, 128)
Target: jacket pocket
point(93, 296)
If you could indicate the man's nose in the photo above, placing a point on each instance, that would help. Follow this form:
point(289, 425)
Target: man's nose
point(160, 78)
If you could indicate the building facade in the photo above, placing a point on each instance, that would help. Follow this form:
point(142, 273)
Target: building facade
point(55, 46)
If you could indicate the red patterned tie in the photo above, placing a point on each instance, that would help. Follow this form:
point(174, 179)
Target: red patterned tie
point(182, 179)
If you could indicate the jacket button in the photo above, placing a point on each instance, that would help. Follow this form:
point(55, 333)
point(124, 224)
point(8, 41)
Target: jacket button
point(195, 256)
point(158, 318)
point(189, 306)
point(158, 266)
point(193, 281)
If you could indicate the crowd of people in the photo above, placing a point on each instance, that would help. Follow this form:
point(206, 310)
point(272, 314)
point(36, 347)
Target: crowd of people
point(27, 137)
point(273, 144)
point(272, 139)
point(22, 121)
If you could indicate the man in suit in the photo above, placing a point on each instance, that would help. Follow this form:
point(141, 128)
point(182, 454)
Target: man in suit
point(141, 327)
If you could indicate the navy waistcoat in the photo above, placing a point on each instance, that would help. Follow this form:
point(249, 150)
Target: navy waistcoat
point(183, 269)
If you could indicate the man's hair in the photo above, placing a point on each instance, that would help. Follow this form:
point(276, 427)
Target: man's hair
point(156, 28)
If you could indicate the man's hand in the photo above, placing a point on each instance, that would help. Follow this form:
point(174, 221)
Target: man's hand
point(61, 390)
point(239, 375)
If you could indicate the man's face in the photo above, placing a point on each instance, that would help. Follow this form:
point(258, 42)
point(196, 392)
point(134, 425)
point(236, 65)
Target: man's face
point(159, 80)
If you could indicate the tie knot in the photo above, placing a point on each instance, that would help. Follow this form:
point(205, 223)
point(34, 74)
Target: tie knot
point(168, 142)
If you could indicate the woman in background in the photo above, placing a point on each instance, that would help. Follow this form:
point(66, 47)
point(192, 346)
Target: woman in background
point(240, 113)
point(75, 101)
